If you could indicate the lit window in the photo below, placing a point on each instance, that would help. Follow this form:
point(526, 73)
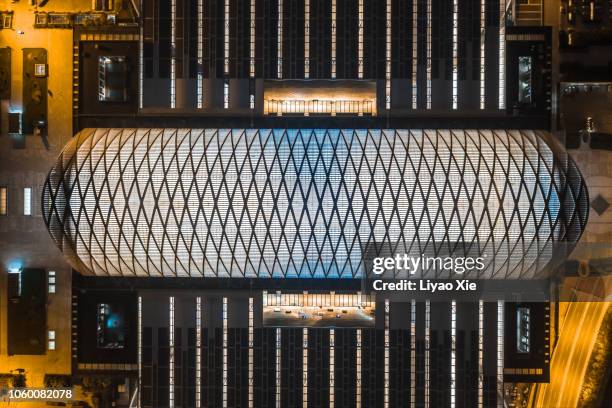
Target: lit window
point(6, 19)
point(523, 323)
point(480, 354)
point(141, 67)
point(225, 94)
point(172, 351)
point(51, 340)
point(226, 37)
point(482, 52)
point(99, 5)
point(139, 328)
point(455, 53)
point(112, 79)
point(428, 62)
point(51, 281)
point(332, 369)
point(500, 352)
point(14, 282)
point(360, 40)
point(251, 353)
point(358, 370)
point(225, 355)
point(279, 52)
point(524, 80)
point(453, 351)
point(502, 54)
point(413, 353)
point(388, 58)
point(27, 201)
point(3, 200)
point(305, 367)
point(198, 374)
point(333, 44)
point(40, 70)
point(427, 327)
point(110, 329)
point(386, 364)
point(306, 39)
point(173, 57)
point(415, 54)
point(277, 367)
point(200, 54)
point(252, 42)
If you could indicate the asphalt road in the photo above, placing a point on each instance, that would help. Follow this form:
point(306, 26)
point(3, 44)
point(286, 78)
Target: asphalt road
point(571, 356)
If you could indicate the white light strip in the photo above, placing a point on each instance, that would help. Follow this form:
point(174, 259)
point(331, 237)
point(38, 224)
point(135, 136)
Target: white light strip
point(306, 39)
point(413, 353)
point(415, 49)
point(455, 53)
point(252, 56)
point(27, 201)
point(333, 39)
point(386, 371)
point(251, 357)
point(453, 372)
point(332, 369)
point(224, 378)
point(358, 371)
point(428, 62)
point(304, 367)
point(200, 77)
point(388, 57)
point(139, 351)
point(483, 17)
point(226, 37)
point(427, 325)
point(225, 93)
point(500, 353)
point(279, 55)
point(171, 352)
point(502, 54)
point(173, 54)
point(252, 41)
point(141, 75)
point(359, 39)
point(480, 353)
point(198, 353)
point(278, 368)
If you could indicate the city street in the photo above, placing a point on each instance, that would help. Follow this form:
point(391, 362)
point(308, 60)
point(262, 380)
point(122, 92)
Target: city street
point(571, 356)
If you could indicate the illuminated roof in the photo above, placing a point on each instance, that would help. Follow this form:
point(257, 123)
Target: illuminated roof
point(306, 203)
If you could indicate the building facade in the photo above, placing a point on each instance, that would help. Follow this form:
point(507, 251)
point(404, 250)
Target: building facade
point(216, 174)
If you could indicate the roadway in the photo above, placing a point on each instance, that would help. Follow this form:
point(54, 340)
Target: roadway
point(571, 356)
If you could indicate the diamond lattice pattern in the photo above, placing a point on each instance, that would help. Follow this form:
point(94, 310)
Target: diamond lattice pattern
point(307, 202)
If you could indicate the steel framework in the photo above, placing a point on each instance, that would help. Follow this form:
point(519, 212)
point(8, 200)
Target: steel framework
point(307, 203)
